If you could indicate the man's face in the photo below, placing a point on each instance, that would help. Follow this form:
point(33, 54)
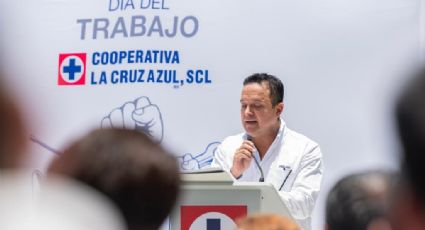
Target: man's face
point(257, 113)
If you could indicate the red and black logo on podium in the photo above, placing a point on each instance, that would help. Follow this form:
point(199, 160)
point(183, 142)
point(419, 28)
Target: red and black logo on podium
point(211, 217)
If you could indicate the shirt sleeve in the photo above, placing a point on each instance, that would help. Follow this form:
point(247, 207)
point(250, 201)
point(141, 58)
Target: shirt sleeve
point(218, 158)
point(302, 197)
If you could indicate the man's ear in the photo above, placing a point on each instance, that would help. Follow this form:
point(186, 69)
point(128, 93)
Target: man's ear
point(279, 108)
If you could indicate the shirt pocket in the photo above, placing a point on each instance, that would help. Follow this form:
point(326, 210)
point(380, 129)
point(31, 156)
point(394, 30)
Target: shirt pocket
point(280, 177)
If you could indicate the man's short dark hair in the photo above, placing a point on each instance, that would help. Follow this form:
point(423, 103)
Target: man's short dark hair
point(410, 115)
point(358, 199)
point(139, 176)
point(275, 85)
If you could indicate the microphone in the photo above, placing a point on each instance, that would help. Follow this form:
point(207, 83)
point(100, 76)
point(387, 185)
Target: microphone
point(249, 138)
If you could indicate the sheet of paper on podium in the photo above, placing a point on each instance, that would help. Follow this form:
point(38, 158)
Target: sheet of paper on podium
point(208, 175)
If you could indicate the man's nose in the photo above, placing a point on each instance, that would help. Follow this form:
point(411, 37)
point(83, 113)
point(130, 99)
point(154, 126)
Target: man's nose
point(248, 110)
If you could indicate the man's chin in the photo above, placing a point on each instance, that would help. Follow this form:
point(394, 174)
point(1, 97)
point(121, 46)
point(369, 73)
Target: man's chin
point(250, 130)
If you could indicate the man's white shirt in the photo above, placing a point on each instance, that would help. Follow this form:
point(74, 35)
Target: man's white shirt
point(293, 164)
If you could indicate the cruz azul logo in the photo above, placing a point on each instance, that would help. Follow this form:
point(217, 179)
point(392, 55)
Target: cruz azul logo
point(138, 66)
point(72, 69)
point(211, 217)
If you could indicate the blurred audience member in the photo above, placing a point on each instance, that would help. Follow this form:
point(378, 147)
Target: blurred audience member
point(360, 202)
point(61, 204)
point(12, 132)
point(129, 168)
point(266, 222)
point(409, 204)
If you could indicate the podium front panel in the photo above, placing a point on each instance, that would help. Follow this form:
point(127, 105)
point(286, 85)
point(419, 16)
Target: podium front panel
point(201, 206)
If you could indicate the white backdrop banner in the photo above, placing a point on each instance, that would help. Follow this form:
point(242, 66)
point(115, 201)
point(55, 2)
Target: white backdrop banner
point(174, 69)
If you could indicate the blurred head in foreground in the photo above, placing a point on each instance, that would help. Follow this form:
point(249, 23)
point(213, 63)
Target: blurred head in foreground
point(266, 222)
point(409, 203)
point(360, 202)
point(12, 132)
point(129, 168)
point(62, 204)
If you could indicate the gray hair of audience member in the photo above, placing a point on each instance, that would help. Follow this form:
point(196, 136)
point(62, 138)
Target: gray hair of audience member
point(12, 131)
point(410, 115)
point(129, 168)
point(358, 200)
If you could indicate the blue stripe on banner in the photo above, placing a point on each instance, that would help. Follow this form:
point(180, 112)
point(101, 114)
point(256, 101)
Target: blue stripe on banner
point(213, 224)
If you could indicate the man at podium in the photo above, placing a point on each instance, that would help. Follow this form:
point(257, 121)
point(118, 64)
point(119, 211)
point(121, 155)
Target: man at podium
point(269, 151)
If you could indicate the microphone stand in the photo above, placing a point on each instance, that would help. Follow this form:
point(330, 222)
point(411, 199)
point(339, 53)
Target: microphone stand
point(249, 138)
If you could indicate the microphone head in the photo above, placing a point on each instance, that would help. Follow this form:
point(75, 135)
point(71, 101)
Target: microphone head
point(248, 137)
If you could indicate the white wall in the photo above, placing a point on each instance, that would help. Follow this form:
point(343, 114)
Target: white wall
point(342, 63)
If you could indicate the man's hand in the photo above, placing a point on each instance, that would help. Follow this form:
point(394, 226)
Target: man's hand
point(140, 115)
point(242, 158)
